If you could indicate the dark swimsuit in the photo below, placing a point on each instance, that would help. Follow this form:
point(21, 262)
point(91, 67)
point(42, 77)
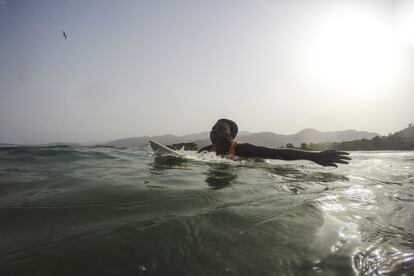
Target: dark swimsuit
point(247, 150)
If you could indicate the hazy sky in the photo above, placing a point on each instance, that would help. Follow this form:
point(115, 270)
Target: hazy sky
point(132, 68)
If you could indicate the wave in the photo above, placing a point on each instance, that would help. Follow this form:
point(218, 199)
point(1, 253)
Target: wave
point(52, 153)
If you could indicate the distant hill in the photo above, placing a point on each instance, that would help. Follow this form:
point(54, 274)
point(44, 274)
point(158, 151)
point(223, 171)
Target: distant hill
point(268, 139)
point(309, 135)
point(163, 139)
point(400, 140)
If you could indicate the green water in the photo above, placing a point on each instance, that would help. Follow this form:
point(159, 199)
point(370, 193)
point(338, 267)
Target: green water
point(104, 211)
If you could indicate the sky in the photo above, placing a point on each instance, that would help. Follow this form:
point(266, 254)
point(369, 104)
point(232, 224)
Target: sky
point(134, 68)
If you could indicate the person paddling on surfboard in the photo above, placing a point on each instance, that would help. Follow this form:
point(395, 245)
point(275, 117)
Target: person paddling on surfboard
point(223, 135)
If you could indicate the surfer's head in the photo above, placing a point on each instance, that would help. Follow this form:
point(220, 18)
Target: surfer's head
point(224, 131)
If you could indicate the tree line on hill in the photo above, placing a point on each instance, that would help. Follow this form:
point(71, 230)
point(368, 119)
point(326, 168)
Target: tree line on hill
point(400, 140)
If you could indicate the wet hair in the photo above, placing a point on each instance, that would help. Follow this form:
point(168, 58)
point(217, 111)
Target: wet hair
point(233, 126)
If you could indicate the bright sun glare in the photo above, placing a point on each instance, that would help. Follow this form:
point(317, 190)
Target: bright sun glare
point(355, 50)
point(404, 21)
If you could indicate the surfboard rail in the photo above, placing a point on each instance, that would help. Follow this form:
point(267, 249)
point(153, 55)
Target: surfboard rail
point(160, 148)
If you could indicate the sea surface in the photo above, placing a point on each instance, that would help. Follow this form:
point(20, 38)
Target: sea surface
point(72, 210)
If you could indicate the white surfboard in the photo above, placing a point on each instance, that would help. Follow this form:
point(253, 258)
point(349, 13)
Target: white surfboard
point(160, 148)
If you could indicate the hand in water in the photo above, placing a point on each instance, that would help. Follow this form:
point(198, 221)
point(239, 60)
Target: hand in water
point(330, 157)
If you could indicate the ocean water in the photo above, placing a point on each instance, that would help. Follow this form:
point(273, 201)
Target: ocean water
point(102, 211)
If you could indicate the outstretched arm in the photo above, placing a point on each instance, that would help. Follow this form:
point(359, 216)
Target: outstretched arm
point(324, 158)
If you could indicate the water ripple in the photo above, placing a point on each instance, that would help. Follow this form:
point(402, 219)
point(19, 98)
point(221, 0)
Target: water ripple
point(70, 210)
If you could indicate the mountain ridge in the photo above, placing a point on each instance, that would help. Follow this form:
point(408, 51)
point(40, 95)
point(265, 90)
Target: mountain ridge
point(399, 140)
point(268, 139)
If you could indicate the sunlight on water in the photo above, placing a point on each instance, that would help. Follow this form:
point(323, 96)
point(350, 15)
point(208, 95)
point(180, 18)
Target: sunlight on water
point(330, 204)
point(133, 212)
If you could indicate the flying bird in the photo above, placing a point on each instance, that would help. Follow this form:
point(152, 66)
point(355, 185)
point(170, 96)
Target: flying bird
point(64, 35)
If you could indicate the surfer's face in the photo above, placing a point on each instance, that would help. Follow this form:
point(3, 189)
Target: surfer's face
point(220, 133)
